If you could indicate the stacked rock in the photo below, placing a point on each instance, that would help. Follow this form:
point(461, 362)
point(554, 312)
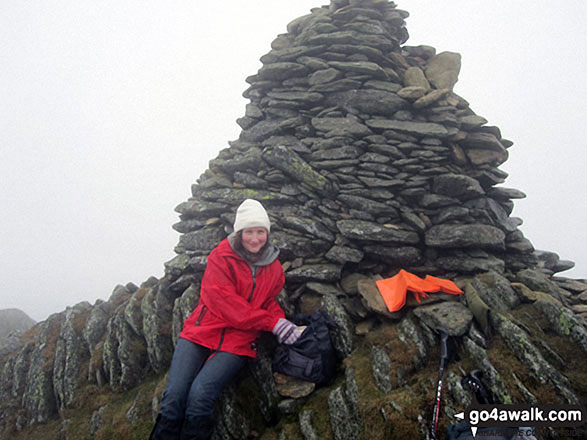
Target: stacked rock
point(364, 157)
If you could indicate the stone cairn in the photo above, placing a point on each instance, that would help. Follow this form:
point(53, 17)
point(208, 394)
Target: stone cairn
point(367, 163)
point(364, 157)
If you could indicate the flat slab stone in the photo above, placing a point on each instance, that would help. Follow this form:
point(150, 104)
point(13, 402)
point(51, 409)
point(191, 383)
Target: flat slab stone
point(371, 231)
point(293, 387)
point(410, 127)
point(465, 236)
point(373, 301)
point(452, 316)
point(314, 272)
point(340, 126)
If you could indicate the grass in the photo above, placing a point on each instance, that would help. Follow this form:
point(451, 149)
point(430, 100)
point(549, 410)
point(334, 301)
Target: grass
point(114, 422)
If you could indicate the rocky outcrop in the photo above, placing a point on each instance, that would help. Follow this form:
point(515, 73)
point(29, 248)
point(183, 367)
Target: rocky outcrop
point(367, 163)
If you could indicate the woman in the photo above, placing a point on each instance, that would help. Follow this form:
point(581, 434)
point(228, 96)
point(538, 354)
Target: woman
point(237, 301)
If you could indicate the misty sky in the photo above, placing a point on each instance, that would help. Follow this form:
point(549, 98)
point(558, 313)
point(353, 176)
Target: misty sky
point(110, 110)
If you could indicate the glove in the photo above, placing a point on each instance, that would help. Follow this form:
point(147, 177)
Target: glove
point(286, 331)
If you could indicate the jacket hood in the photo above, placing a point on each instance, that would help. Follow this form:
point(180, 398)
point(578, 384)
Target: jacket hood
point(270, 253)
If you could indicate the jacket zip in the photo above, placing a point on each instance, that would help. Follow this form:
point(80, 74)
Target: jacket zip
point(221, 339)
point(252, 290)
point(202, 313)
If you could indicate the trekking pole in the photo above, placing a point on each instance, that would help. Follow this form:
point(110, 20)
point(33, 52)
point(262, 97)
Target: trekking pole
point(443, 362)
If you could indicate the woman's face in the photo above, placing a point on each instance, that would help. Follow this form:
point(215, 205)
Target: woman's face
point(254, 239)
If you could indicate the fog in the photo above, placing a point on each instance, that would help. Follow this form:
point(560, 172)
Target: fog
point(111, 110)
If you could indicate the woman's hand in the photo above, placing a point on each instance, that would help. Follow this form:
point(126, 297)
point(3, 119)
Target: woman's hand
point(286, 331)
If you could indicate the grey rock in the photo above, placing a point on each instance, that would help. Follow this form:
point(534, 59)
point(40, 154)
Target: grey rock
point(261, 371)
point(38, 398)
point(367, 205)
point(157, 309)
point(454, 317)
point(471, 122)
point(458, 186)
point(324, 76)
point(314, 272)
point(431, 98)
point(369, 231)
point(343, 335)
point(433, 201)
point(232, 418)
point(345, 152)
point(411, 335)
point(339, 126)
point(465, 236)
point(132, 413)
point(15, 372)
point(292, 164)
point(372, 299)
point(381, 368)
point(462, 261)
point(297, 97)
point(401, 256)
point(336, 86)
point(492, 379)
point(124, 353)
point(70, 353)
point(235, 196)
point(292, 247)
point(203, 240)
point(519, 342)
point(414, 77)
point(538, 281)
point(261, 130)
point(483, 140)
point(412, 93)
point(309, 226)
point(281, 71)
point(480, 157)
point(442, 70)
point(343, 254)
point(96, 421)
point(563, 321)
point(288, 386)
point(496, 291)
point(419, 129)
point(200, 209)
point(361, 67)
point(183, 306)
point(372, 102)
point(345, 418)
point(306, 425)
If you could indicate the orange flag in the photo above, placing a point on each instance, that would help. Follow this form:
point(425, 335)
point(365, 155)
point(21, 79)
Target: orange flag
point(394, 289)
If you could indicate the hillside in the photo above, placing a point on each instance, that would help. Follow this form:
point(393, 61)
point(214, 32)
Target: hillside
point(13, 324)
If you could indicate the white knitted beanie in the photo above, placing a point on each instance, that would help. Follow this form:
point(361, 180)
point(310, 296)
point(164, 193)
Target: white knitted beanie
point(251, 214)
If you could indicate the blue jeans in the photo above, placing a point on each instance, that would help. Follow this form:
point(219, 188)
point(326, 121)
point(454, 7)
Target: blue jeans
point(196, 380)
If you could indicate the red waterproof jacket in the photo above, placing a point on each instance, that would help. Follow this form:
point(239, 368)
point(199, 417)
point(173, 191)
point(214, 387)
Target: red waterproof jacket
point(237, 302)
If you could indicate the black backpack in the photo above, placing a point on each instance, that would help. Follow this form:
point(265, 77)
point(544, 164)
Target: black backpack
point(311, 357)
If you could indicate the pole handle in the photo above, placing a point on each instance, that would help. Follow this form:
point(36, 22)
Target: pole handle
point(443, 344)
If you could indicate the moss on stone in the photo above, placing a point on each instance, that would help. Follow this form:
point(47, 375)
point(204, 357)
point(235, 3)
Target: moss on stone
point(573, 357)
